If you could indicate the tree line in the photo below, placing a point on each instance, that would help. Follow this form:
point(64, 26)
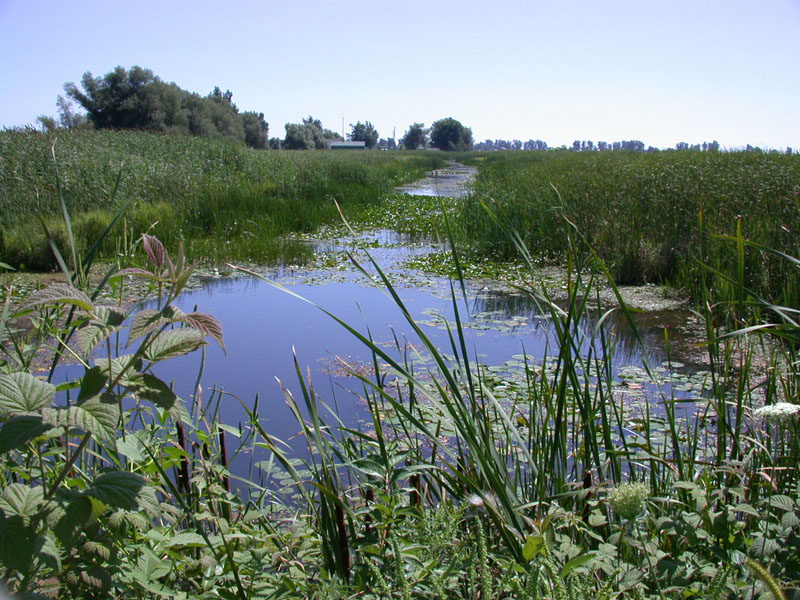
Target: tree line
point(138, 99)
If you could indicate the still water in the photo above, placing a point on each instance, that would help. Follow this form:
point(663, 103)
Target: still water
point(265, 327)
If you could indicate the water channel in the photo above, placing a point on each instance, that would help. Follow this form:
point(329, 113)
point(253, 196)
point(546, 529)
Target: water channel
point(265, 327)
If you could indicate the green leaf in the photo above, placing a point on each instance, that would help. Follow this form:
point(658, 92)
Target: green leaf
point(781, 502)
point(151, 388)
point(136, 272)
point(45, 547)
point(118, 489)
point(125, 362)
point(576, 562)
point(143, 322)
point(597, 518)
point(71, 519)
point(748, 510)
point(187, 539)
point(104, 323)
point(92, 383)
point(18, 431)
point(22, 393)
point(21, 500)
point(151, 566)
point(16, 544)
point(131, 448)
point(101, 419)
point(533, 546)
point(172, 343)
point(60, 293)
point(147, 320)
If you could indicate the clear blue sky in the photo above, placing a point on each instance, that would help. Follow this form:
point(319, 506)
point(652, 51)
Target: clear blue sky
point(662, 71)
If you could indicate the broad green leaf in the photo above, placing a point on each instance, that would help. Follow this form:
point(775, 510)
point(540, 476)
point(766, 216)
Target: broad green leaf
point(748, 510)
point(208, 325)
point(72, 519)
point(16, 544)
point(22, 393)
point(781, 502)
point(47, 550)
point(60, 293)
point(172, 343)
point(18, 431)
point(92, 383)
point(118, 489)
point(187, 539)
point(131, 448)
point(125, 362)
point(597, 518)
point(151, 566)
point(575, 563)
point(105, 323)
point(21, 500)
point(533, 545)
point(101, 419)
point(143, 322)
point(149, 387)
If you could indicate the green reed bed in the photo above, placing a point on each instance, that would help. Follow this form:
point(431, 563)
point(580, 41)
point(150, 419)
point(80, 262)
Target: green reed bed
point(650, 216)
point(224, 200)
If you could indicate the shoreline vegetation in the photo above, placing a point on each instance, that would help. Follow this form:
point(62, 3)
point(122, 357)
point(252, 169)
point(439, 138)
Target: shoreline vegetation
point(460, 486)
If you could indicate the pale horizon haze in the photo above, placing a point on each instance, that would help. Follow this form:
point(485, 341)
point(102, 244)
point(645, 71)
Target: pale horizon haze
point(661, 72)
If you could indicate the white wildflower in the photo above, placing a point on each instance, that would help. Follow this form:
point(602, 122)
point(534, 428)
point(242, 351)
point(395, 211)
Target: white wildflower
point(778, 413)
point(627, 499)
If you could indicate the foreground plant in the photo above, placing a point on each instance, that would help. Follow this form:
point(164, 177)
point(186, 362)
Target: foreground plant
point(78, 476)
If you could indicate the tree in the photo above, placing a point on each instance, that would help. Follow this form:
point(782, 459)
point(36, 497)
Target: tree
point(449, 134)
point(364, 132)
point(415, 137)
point(256, 129)
point(308, 135)
point(47, 122)
point(138, 99)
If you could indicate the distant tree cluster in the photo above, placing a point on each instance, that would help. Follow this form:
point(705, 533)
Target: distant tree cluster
point(364, 132)
point(449, 134)
point(511, 145)
point(308, 135)
point(415, 137)
point(138, 99)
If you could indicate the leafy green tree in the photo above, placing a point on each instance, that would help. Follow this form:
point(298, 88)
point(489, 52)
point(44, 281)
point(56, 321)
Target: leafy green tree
point(298, 137)
point(415, 137)
point(364, 132)
point(138, 99)
point(256, 129)
point(449, 134)
point(308, 135)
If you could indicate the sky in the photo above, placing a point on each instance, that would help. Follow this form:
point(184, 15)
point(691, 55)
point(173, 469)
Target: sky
point(659, 71)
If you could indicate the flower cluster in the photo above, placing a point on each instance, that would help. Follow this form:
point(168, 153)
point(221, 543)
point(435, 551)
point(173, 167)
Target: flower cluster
point(627, 499)
point(778, 413)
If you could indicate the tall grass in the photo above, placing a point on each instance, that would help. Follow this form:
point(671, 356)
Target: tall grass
point(640, 211)
point(223, 200)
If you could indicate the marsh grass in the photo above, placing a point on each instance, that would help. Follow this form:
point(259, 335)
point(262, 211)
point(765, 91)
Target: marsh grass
point(640, 212)
point(225, 201)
